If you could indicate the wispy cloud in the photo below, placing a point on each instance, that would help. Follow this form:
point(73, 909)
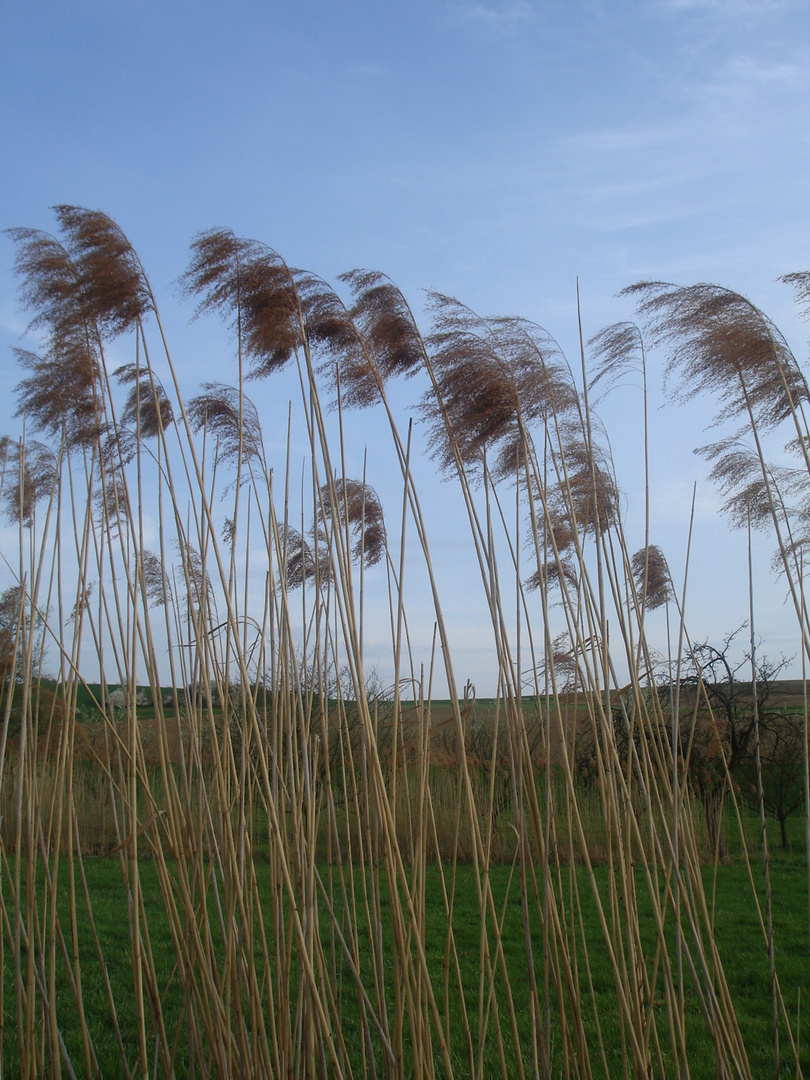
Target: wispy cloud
point(729, 9)
point(715, 136)
point(504, 18)
point(623, 139)
point(755, 74)
point(367, 71)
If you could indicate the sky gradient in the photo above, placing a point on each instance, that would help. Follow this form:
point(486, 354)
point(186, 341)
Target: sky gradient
point(499, 152)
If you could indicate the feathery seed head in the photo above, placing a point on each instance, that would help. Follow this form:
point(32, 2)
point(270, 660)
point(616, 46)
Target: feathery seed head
point(113, 289)
point(721, 342)
point(652, 577)
point(253, 287)
point(588, 490)
point(618, 350)
point(299, 562)
point(61, 394)
point(217, 410)
point(156, 583)
point(147, 408)
point(384, 319)
point(800, 283)
point(358, 505)
point(495, 377)
point(31, 469)
point(330, 328)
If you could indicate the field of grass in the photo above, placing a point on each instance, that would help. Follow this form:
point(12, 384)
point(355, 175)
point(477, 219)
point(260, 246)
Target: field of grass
point(740, 941)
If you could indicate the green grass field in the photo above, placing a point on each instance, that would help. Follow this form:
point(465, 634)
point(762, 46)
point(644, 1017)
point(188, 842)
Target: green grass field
point(738, 935)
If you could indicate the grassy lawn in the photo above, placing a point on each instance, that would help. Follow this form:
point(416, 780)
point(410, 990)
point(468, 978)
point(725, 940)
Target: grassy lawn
point(738, 935)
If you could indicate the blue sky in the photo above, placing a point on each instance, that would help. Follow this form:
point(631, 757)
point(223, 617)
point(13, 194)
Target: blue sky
point(495, 151)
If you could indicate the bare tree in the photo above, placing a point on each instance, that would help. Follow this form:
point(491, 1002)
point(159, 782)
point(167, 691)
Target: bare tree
point(719, 740)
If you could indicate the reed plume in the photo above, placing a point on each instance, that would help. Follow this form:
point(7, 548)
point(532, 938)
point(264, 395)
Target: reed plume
point(475, 409)
point(652, 577)
point(198, 584)
point(252, 286)
point(589, 489)
point(233, 421)
point(32, 473)
point(299, 563)
point(357, 507)
point(156, 585)
point(62, 392)
point(290, 847)
point(113, 291)
point(800, 283)
point(61, 395)
point(147, 409)
point(721, 343)
point(385, 322)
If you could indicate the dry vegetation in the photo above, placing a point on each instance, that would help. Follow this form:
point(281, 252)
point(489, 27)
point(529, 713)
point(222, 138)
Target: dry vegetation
point(295, 831)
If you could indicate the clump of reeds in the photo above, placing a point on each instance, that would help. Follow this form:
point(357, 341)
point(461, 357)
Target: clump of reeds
point(296, 822)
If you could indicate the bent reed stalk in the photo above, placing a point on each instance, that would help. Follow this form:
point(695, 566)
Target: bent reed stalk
point(286, 839)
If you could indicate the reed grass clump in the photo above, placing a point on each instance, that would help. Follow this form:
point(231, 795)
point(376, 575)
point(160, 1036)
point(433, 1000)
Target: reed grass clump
point(322, 875)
